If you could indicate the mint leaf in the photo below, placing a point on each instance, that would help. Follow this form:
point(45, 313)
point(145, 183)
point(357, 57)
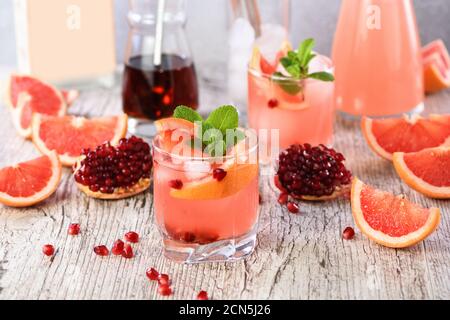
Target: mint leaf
point(323, 76)
point(223, 118)
point(186, 113)
point(304, 51)
point(288, 85)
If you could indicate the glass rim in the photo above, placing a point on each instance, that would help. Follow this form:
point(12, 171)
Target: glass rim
point(247, 151)
point(261, 74)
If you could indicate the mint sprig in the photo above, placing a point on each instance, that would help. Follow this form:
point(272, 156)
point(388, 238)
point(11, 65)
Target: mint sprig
point(218, 132)
point(296, 63)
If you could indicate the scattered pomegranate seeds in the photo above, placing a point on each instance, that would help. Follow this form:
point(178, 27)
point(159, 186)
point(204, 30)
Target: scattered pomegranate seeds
point(74, 229)
point(48, 250)
point(117, 248)
point(283, 199)
point(101, 250)
point(152, 274)
point(202, 295)
point(273, 103)
point(164, 290)
point(293, 207)
point(219, 174)
point(348, 233)
point(163, 279)
point(176, 184)
point(132, 237)
point(260, 199)
point(127, 252)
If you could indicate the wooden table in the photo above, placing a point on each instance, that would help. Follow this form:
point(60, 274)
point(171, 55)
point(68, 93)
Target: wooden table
point(297, 257)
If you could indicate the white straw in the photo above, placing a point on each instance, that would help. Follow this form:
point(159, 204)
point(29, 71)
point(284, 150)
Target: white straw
point(159, 33)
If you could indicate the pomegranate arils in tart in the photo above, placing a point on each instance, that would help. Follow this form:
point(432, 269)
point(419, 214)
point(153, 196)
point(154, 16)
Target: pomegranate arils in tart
point(107, 167)
point(74, 229)
point(132, 237)
point(48, 250)
point(118, 247)
point(152, 274)
point(101, 250)
point(306, 171)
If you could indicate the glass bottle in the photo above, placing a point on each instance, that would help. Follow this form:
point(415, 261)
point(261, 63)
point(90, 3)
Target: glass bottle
point(151, 91)
point(377, 57)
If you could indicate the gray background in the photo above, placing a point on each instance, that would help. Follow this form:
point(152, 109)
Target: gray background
point(209, 19)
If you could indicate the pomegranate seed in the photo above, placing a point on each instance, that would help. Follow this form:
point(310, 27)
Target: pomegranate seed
point(277, 182)
point(176, 184)
point(152, 274)
point(293, 207)
point(283, 199)
point(273, 103)
point(164, 290)
point(48, 250)
point(219, 174)
point(127, 252)
point(202, 295)
point(132, 237)
point(74, 229)
point(117, 248)
point(348, 233)
point(163, 279)
point(260, 199)
point(101, 250)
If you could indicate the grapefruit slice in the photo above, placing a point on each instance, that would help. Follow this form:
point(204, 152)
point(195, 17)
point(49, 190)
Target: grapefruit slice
point(426, 171)
point(173, 131)
point(69, 135)
point(436, 66)
point(389, 220)
point(28, 183)
point(28, 95)
point(259, 63)
point(238, 177)
point(406, 134)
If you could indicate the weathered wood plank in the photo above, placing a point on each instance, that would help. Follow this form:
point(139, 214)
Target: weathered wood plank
point(298, 257)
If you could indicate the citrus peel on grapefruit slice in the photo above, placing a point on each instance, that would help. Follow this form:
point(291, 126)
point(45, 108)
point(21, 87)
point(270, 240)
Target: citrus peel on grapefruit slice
point(426, 171)
point(390, 220)
point(436, 66)
point(406, 134)
point(28, 183)
point(69, 135)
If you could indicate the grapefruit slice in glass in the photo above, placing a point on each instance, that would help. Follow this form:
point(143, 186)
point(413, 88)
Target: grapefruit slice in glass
point(436, 66)
point(406, 134)
point(69, 135)
point(426, 171)
point(28, 183)
point(390, 220)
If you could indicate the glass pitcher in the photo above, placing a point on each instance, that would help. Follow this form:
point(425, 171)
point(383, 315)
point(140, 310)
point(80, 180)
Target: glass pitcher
point(377, 57)
point(152, 91)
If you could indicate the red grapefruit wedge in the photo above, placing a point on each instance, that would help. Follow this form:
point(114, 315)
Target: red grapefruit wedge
point(426, 171)
point(436, 66)
point(406, 134)
point(28, 183)
point(390, 220)
point(69, 135)
point(27, 95)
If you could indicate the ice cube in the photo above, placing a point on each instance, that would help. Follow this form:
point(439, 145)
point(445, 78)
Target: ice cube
point(271, 39)
point(196, 169)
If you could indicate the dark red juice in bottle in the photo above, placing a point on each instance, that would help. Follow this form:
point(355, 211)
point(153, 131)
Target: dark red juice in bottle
point(151, 92)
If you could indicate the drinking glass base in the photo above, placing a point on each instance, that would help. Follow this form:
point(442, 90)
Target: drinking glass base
point(141, 127)
point(219, 251)
point(352, 117)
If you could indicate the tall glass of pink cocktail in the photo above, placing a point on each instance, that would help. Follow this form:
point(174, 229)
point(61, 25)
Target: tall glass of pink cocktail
point(302, 109)
point(206, 207)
